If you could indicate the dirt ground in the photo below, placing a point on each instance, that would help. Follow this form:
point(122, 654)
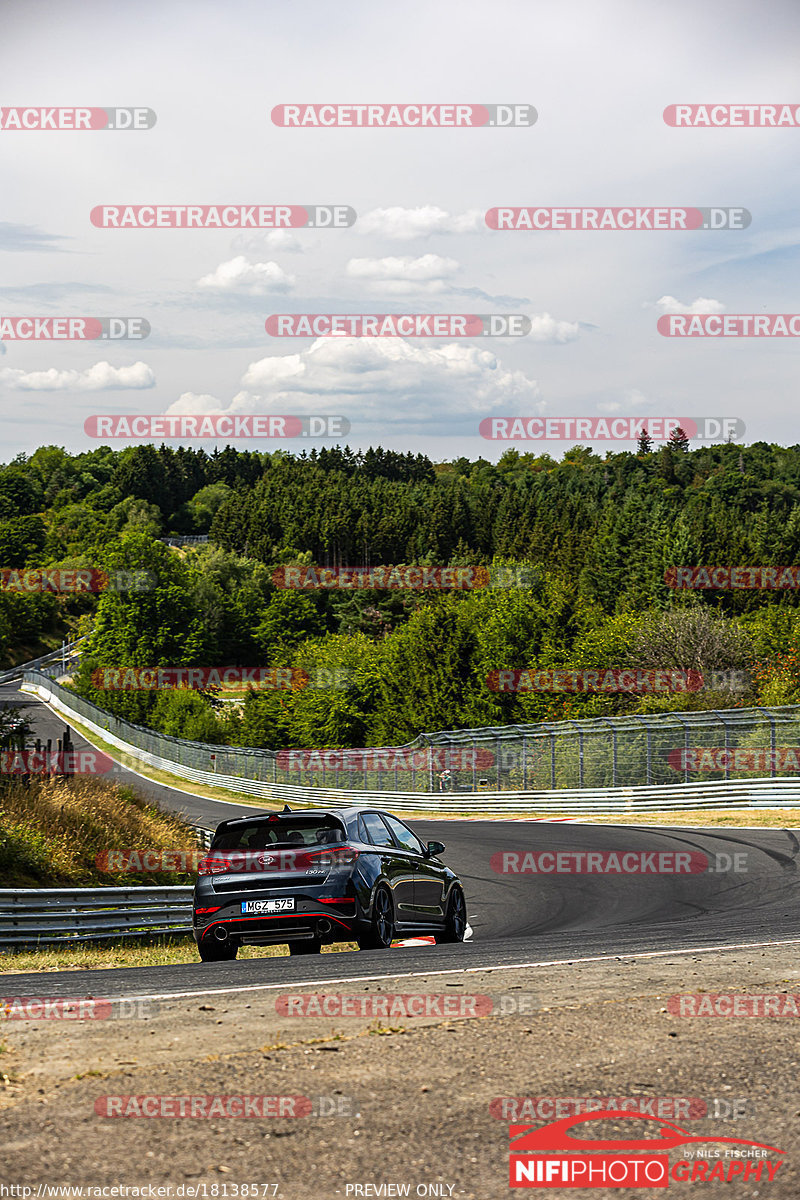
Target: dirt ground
point(393, 1100)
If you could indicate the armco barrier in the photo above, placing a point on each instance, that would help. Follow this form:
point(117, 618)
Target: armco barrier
point(255, 772)
point(62, 657)
point(35, 916)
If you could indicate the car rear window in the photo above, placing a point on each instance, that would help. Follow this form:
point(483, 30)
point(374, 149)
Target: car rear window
point(285, 831)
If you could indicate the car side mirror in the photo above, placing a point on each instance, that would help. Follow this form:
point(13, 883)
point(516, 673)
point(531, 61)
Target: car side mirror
point(434, 848)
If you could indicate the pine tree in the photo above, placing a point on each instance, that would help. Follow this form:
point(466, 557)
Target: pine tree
point(678, 440)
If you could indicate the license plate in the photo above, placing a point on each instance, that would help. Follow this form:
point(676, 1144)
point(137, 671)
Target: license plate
point(284, 904)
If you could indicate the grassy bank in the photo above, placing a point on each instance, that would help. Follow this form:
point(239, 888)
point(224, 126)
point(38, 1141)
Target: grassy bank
point(161, 952)
point(52, 830)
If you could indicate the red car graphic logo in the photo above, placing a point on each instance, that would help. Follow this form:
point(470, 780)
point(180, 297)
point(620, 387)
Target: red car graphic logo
point(555, 1136)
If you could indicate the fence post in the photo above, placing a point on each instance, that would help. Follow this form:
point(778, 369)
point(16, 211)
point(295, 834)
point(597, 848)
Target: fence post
point(649, 757)
point(649, 745)
point(580, 758)
point(772, 743)
point(612, 727)
point(686, 748)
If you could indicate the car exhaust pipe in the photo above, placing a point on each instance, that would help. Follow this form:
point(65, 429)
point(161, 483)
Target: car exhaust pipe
point(324, 927)
point(221, 933)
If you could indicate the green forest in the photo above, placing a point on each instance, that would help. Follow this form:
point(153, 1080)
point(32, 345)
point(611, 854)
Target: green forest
point(596, 532)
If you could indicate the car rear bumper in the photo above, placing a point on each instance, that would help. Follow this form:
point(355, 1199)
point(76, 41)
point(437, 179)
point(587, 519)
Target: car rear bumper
point(331, 920)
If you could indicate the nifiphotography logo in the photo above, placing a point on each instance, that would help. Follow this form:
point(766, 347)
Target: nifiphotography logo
point(551, 1157)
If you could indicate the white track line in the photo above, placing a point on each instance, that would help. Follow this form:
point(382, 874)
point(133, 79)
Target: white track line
point(552, 962)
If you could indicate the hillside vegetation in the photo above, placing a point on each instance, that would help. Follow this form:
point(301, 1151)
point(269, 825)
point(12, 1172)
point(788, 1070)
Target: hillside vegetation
point(52, 830)
point(598, 531)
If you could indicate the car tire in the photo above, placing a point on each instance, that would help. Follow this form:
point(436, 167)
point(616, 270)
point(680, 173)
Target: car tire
point(311, 947)
point(455, 921)
point(213, 951)
point(381, 929)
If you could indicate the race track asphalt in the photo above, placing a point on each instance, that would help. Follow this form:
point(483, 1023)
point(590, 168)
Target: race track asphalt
point(516, 918)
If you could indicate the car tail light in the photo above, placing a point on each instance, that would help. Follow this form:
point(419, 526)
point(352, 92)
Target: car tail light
point(342, 856)
point(208, 910)
point(211, 865)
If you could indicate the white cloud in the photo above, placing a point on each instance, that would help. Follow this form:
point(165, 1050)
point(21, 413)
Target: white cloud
point(402, 224)
point(193, 402)
point(268, 239)
point(545, 328)
point(633, 403)
point(99, 378)
point(668, 304)
point(381, 378)
point(252, 279)
point(430, 273)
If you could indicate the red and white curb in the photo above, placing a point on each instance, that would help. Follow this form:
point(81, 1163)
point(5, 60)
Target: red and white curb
point(427, 941)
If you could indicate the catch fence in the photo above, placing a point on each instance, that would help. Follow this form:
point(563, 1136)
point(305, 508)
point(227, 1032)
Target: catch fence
point(587, 763)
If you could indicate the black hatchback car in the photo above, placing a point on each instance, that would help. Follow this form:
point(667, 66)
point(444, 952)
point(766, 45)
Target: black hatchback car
point(312, 877)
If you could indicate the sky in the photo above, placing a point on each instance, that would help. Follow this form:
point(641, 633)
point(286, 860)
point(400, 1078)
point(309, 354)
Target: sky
point(599, 77)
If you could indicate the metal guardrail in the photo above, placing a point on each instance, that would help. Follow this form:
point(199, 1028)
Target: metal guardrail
point(191, 539)
point(64, 655)
point(61, 916)
point(204, 836)
point(255, 772)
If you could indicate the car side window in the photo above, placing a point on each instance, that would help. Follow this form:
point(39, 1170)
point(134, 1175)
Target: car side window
point(403, 836)
point(377, 832)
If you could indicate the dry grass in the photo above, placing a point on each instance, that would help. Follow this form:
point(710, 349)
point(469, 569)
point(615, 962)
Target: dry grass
point(763, 818)
point(52, 830)
point(130, 953)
